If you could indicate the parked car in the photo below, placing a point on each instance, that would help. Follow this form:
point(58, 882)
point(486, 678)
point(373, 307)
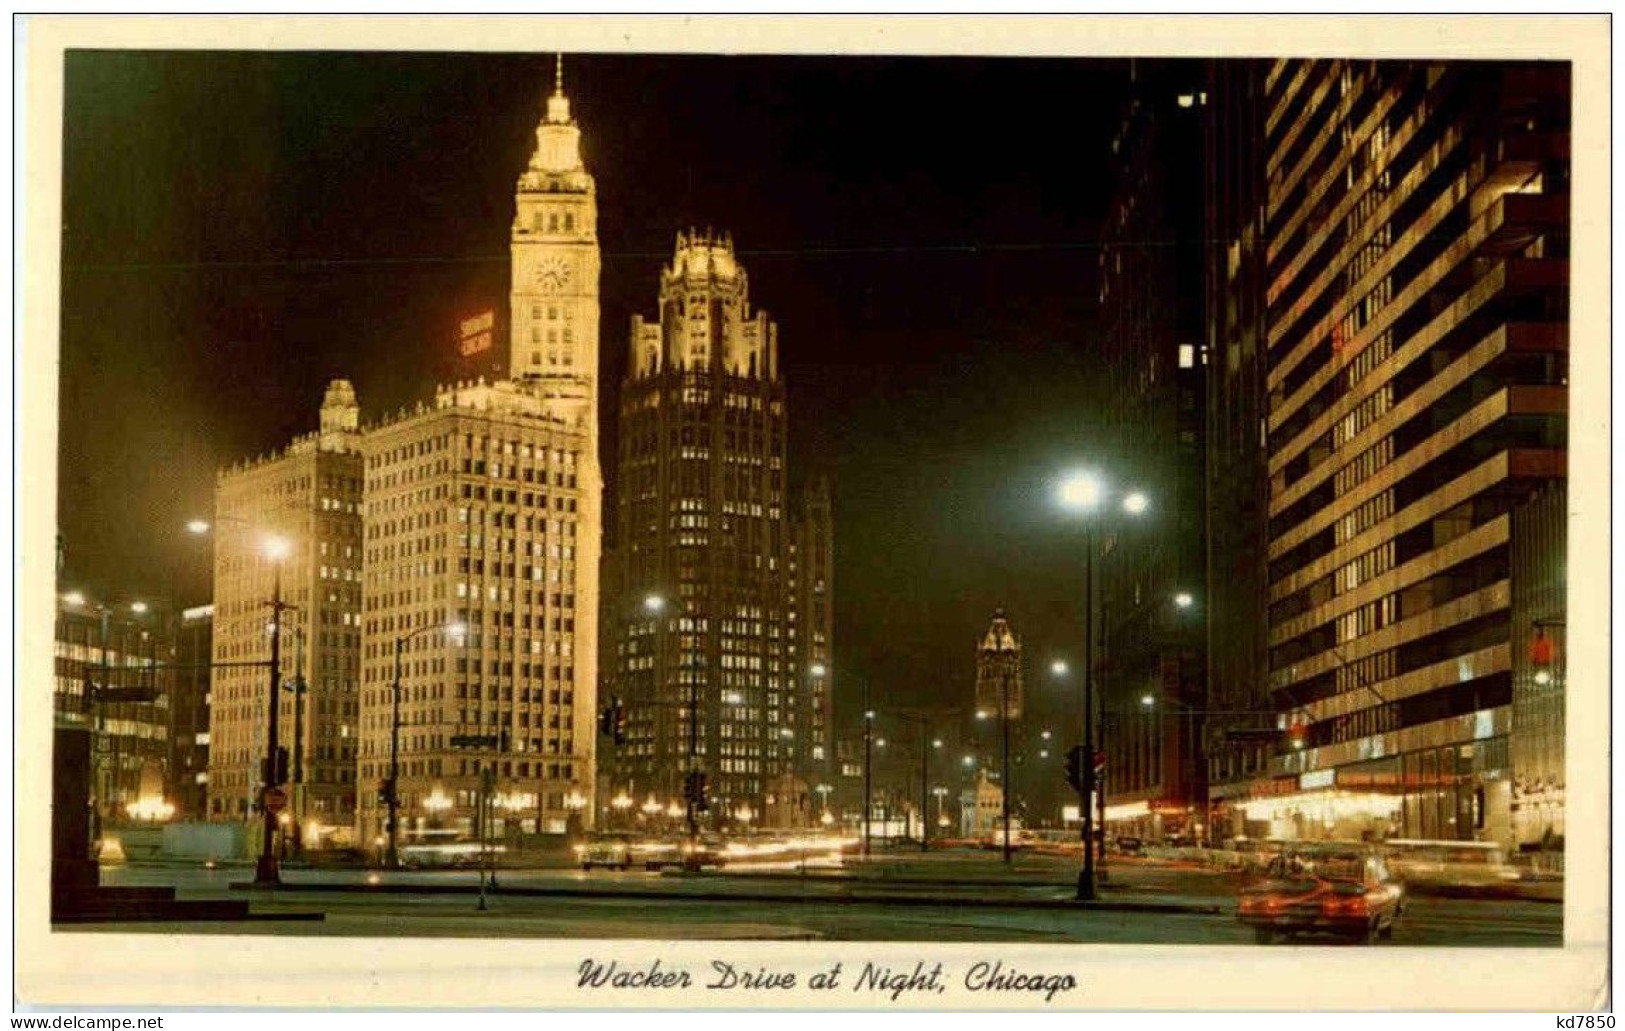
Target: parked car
point(1342, 890)
point(1130, 846)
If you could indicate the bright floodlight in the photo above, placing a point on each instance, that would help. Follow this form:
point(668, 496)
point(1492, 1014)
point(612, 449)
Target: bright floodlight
point(880, 742)
point(818, 669)
point(1136, 503)
point(1045, 735)
point(969, 760)
point(1184, 599)
point(1059, 667)
point(1542, 677)
point(138, 607)
point(1147, 701)
point(654, 603)
point(936, 743)
point(197, 526)
point(457, 631)
point(1082, 492)
point(869, 715)
point(74, 598)
point(276, 548)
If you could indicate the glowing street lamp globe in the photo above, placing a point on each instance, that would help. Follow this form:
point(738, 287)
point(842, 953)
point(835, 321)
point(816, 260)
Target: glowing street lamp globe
point(1082, 492)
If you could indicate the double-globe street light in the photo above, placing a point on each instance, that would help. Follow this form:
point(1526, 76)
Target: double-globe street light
point(1086, 494)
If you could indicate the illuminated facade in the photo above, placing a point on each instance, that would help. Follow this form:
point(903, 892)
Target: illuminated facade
point(719, 599)
point(309, 496)
point(1416, 356)
point(484, 511)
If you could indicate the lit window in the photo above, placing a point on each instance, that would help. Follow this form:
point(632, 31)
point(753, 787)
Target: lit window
point(1187, 356)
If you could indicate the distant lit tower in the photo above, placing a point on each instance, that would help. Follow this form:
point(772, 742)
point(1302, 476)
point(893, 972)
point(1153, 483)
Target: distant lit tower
point(998, 697)
point(998, 670)
point(700, 599)
point(553, 343)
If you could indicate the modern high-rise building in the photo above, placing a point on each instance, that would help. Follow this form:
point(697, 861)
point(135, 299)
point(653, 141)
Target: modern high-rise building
point(484, 514)
point(110, 678)
point(1151, 565)
point(189, 713)
point(1416, 251)
point(721, 670)
point(308, 497)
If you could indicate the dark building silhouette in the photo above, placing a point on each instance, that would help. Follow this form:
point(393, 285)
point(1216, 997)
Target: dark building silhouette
point(1151, 565)
point(717, 603)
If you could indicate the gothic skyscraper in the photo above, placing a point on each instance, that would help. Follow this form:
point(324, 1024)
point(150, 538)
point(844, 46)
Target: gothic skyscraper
point(710, 567)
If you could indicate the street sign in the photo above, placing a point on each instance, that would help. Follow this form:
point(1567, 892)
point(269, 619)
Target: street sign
point(1100, 761)
point(126, 694)
point(275, 800)
point(1252, 733)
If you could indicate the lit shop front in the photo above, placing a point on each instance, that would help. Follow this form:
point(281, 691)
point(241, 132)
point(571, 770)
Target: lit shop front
point(1456, 792)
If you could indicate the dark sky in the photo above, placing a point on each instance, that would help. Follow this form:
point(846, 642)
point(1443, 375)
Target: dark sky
point(241, 227)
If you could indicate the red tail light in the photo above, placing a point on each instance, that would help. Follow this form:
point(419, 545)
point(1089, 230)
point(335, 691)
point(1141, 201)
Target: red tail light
point(1349, 905)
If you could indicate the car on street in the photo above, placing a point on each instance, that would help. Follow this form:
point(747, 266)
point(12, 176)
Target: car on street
point(610, 852)
point(1452, 867)
point(1342, 890)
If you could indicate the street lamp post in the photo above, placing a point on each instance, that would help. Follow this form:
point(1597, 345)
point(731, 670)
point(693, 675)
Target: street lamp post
point(868, 767)
point(392, 789)
point(1085, 493)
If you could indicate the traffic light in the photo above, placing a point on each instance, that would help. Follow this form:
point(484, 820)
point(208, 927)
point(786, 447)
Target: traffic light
point(1074, 768)
point(1297, 733)
point(694, 790)
point(277, 773)
point(612, 721)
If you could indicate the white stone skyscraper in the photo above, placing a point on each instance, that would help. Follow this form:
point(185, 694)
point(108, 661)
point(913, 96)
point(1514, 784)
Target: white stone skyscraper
point(484, 512)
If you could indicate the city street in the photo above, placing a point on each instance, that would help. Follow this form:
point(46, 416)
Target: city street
point(895, 899)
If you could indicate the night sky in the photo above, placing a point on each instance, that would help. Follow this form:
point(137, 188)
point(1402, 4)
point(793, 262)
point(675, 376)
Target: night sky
point(239, 228)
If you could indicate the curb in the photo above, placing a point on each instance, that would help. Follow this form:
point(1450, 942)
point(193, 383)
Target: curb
point(768, 897)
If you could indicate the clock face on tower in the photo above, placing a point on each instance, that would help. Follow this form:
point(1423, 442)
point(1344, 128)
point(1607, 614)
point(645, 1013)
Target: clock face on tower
point(552, 274)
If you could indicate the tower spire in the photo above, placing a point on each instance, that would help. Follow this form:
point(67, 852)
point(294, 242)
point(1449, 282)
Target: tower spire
point(558, 105)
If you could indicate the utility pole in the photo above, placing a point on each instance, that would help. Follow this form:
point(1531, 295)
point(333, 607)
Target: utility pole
point(1004, 777)
point(298, 771)
point(266, 872)
point(1086, 790)
point(925, 790)
point(392, 788)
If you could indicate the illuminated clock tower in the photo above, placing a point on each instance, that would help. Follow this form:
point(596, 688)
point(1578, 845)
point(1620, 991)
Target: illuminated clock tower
point(553, 346)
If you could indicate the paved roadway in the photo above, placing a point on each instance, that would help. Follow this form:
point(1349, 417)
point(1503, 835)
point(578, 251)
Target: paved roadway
point(644, 905)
